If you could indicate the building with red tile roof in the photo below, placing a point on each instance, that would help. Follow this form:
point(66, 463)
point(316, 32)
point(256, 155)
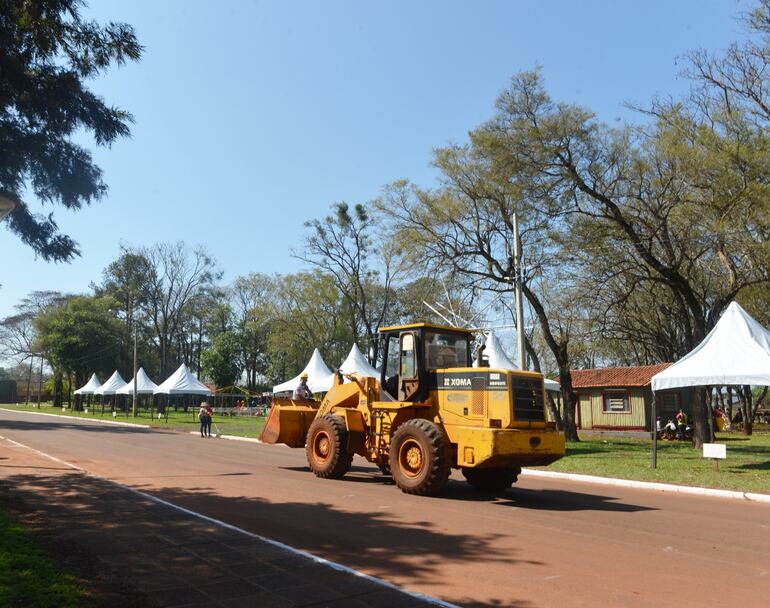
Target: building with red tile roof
point(620, 398)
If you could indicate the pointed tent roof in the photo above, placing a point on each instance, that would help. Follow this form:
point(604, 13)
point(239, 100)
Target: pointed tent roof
point(496, 355)
point(111, 386)
point(498, 359)
point(182, 382)
point(89, 387)
point(317, 372)
point(145, 386)
point(354, 363)
point(736, 351)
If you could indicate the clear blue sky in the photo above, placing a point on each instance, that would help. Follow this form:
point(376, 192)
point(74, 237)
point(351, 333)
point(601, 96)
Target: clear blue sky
point(252, 117)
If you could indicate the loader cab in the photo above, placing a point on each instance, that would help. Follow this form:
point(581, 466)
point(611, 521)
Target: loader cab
point(411, 354)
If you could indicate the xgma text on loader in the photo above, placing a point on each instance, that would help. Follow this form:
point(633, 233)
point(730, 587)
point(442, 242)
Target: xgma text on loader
point(429, 411)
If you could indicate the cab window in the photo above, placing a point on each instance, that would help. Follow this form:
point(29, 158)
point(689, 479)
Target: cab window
point(408, 368)
point(391, 362)
point(444, 350)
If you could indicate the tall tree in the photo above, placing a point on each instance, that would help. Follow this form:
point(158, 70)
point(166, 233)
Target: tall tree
point(176, 278)
point(348, 247)
point(657, 205)
point(78, 337)
point(47, 53)
point(253, 297)
point(126, 281)
point(222, 361)
point(310, 313)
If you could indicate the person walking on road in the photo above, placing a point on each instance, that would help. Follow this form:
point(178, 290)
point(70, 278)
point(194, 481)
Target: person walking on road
point(204, 415)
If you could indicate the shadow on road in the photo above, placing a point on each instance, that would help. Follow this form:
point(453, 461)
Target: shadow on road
point(543, 500)
point(92, 510)
point(23, 425)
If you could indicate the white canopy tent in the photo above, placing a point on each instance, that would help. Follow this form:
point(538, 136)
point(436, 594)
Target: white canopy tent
point(182, 382)
point(499, 360)
point(111, 386)
point(144, 386)
point(354, 363)
point(736, 351)
point(317, 372)
point(89, 387)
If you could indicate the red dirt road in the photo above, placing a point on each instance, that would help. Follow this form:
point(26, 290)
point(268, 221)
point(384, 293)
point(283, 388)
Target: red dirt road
point(540, 544)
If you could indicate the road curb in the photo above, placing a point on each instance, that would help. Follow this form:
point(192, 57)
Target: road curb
point(650, 485)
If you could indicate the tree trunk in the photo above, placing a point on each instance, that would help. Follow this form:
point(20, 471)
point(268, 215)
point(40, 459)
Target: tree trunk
point(29, 380)
point(58, 389)
point(729, 404)
point(747, 410)
point(701, 432)
point(570, 405)
point(561, 355)
point(760, 402)
point(721, 399)
point(553, 411)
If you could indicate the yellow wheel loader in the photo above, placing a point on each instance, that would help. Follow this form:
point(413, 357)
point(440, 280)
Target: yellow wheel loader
point(430, 411)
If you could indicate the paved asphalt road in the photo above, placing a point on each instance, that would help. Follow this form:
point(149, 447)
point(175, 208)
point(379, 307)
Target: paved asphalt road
point(540, 544)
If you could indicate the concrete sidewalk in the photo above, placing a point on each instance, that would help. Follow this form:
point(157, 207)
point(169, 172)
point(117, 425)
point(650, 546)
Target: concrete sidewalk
point(175, 558)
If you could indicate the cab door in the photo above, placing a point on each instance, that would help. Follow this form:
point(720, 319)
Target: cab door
point(409, 367)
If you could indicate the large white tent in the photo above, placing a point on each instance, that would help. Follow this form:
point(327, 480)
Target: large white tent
point(111, 386)
point(317, 372)
point(736, 351)
point(354, 363)
point(182, 382)
point(499, 360)
point(89, 387)
point(144, 386)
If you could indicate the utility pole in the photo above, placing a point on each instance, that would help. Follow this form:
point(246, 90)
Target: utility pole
point(517, 278)
point(133, 408)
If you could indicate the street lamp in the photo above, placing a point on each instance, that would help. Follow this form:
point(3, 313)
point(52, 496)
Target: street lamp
point(8, 203)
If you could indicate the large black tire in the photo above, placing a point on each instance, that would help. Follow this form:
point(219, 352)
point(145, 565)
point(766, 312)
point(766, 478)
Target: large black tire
point(419, 457)
point(491, 480)
point(326, 447)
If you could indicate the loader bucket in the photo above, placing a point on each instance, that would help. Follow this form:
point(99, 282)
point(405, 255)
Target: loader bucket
point(288, 422)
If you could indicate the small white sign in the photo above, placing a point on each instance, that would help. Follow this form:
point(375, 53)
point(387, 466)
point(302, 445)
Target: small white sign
point(714, 450)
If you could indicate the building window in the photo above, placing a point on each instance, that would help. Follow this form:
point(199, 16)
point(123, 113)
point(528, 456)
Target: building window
point(616, 403)
point(669, 402)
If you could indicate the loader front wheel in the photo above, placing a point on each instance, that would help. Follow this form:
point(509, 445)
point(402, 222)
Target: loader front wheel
point(419, 457)
point(326, 447)
point(491, 480)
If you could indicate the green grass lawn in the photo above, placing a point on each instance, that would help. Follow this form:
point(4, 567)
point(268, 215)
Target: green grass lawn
point(242, 426)
point(747, 467)
point(28, 577)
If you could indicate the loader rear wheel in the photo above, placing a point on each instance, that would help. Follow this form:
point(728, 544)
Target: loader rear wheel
point(326, 447)
point(419, 458)
point(491, 480)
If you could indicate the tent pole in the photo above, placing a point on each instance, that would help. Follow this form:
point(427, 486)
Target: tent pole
point(654, 427)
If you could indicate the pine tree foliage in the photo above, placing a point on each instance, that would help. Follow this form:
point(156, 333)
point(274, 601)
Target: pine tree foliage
point(47, 52)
